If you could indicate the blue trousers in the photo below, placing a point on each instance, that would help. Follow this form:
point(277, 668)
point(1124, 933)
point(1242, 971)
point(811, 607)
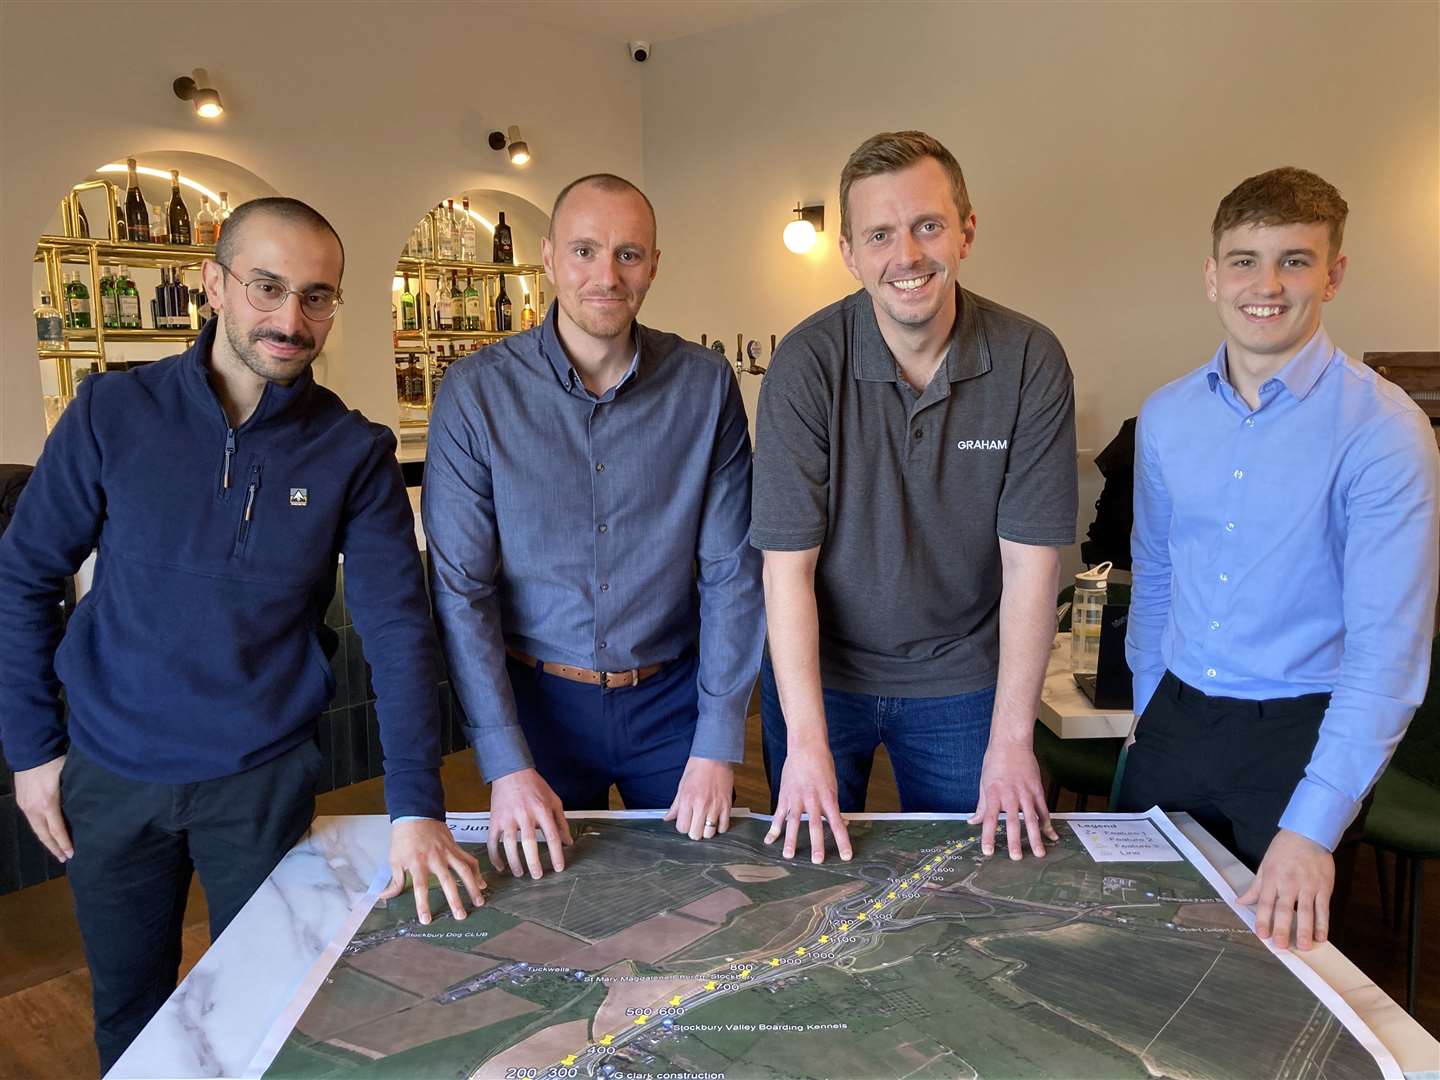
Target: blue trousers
point(584, 739)
point(936, 745)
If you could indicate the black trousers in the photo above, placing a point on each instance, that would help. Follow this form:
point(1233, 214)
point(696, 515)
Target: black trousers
point(1230, 763)
point(137, 844)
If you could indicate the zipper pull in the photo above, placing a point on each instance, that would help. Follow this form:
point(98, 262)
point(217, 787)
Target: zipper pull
point(229, 453)
point(250, 499)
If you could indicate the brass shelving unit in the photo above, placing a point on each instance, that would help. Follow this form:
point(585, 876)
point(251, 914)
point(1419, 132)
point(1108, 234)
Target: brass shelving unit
point(55, 252)
point(486, 276)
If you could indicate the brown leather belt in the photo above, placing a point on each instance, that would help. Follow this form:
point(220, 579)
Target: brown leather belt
point(606, 680)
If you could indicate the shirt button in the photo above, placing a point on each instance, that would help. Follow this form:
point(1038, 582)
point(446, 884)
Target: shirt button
point(1224, 576)
point(1239, 474)
point(604, 586)
point(1229, 527)
point(918, 433)
point(1210, 673)
point(1214, 624)
point(1249, 421)
point(599, 466)
point(604, 527)
point(603, 644)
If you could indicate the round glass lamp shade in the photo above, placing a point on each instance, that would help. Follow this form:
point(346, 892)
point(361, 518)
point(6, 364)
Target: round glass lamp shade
point(799, 236)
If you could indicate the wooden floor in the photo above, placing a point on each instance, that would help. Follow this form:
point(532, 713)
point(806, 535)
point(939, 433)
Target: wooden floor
point(45, 989)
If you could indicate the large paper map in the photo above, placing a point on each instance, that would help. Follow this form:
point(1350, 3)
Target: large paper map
point(653, 955)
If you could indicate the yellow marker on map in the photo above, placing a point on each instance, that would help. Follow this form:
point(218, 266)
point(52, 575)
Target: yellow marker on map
point(914, 876)
point(607, 1040)
point(877, 904)
point(800, 951)
point(710, 985)
point(892, 896)
point(568, 1060)
point(774, 961)
point(641, 1019)
point(676, 1000)
point(824, 939)
point(844, 926)
point(744, 973)
point(904, 884)
point(862, 916)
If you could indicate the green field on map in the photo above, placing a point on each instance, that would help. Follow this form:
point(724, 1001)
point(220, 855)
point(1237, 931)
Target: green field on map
point(653, 954)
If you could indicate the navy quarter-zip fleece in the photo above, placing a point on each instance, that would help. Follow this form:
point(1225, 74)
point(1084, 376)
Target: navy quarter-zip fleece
point(194, 656)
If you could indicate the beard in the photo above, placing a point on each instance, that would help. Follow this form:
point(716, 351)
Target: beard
point(602, 324)
point(907, 315)
point(272, 369)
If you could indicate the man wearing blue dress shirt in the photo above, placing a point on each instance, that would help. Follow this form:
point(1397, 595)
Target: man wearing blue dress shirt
point(1285, 551)
point(587, 511)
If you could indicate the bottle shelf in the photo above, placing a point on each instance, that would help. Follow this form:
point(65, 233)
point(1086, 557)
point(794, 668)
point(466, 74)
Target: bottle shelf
point(76, 250)
point(412, 264)
point(134, 335)
point(452, 335)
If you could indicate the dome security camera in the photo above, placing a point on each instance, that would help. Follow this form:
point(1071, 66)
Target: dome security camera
point(639, 51)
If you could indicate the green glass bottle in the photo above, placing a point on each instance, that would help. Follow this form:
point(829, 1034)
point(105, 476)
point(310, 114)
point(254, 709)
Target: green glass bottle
point(129, 297)
point(472, 305)
point(109, 300)
point(407, 308)
point(77, 303)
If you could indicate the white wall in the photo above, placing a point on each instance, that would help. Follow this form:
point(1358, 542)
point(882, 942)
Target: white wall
point(1096, 139)
point(370, 112)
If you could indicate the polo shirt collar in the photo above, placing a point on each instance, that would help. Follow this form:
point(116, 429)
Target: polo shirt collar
point(967, 356)
point(1299, 376)
point(554, 352)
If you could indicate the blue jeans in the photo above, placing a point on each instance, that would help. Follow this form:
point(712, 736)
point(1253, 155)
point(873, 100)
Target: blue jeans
point(936, 744)
point(584, 739)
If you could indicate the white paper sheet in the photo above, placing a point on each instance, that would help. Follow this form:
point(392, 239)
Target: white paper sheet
point(1124, 841)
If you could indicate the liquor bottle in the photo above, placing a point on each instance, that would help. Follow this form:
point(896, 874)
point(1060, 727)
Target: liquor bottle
point(203, 308)
point(504, 245)
point(444, 309)
point(205, 223)
point(401, 375)
point(222, 214)
point(159, 307)
point(78, 303)
point(118, 231)
point(407, 308)
point(458, 319)
point(469, 242)
point(179, 214)
point(159, 227)
point(473, 307)
point(502, 307)
point(415, 386)
point(445, 231)
point(129, 298)
point(81, 221)
point(527, 315)
point(109, 300)
point(137, 214)
point(49, 324)
point(180, 318)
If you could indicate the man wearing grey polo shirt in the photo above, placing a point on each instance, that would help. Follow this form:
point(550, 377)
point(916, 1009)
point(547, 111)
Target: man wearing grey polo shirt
point(914, 478)
point(587, 511)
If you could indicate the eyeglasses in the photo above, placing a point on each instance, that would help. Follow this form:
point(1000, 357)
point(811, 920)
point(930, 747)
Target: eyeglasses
point(267, 294)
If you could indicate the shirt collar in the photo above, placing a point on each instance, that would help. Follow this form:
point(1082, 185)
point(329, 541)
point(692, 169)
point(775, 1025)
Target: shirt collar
point(967, 356)
point(1299, 376)
point(554, 351)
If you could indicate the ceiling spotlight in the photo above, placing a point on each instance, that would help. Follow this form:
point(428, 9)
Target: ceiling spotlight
point(519, 149)
point(206, 100)
point(800, 233)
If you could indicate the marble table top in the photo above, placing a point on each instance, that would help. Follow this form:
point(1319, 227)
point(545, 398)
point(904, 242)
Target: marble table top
point(217, 1018)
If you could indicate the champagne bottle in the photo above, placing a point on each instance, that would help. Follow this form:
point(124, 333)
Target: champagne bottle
point(179, 214)
point(472, 305)
point(502, 308)
point(137, 214)
point(407, 308)
point(504, 245)
point(81, 221)
point(205, 223)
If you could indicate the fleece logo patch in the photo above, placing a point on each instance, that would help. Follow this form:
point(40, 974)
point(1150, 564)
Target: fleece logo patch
point(983, 444)
point(299, 496)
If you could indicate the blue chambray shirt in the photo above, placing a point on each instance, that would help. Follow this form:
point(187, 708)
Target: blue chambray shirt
point(608, 533)
point(1291, 550)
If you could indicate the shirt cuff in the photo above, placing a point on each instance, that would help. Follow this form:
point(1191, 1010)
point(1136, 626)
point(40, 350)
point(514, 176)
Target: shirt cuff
point(1319, 813)
point(413, 817)
point(719, 739)
point(500, 752)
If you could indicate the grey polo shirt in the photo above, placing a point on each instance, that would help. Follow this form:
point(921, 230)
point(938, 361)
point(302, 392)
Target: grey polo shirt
point(908, 495)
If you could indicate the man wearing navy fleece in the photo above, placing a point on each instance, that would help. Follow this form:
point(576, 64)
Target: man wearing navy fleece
point(218, 487)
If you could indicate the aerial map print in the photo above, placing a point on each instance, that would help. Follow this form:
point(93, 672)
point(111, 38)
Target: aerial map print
point(654, 955)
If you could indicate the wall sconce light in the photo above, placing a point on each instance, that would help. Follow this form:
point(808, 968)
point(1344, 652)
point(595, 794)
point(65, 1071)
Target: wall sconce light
point(800, 233)
point(206, 100)
point(519, 149)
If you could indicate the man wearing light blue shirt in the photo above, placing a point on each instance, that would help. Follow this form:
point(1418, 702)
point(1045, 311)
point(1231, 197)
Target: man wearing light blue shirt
point(1285, 554)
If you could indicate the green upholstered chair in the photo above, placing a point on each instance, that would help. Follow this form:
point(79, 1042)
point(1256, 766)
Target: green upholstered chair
point(1404, 818)
point(1085, 767)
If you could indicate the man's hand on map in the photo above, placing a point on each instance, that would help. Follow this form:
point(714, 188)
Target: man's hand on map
point(808, 786)
point(424, 847)
point(702, 802)
point(1010, 784)
point(1292, 887)
point(520, 803)
point(37, 793)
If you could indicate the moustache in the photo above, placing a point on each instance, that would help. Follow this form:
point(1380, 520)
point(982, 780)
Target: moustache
point(299, 341)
